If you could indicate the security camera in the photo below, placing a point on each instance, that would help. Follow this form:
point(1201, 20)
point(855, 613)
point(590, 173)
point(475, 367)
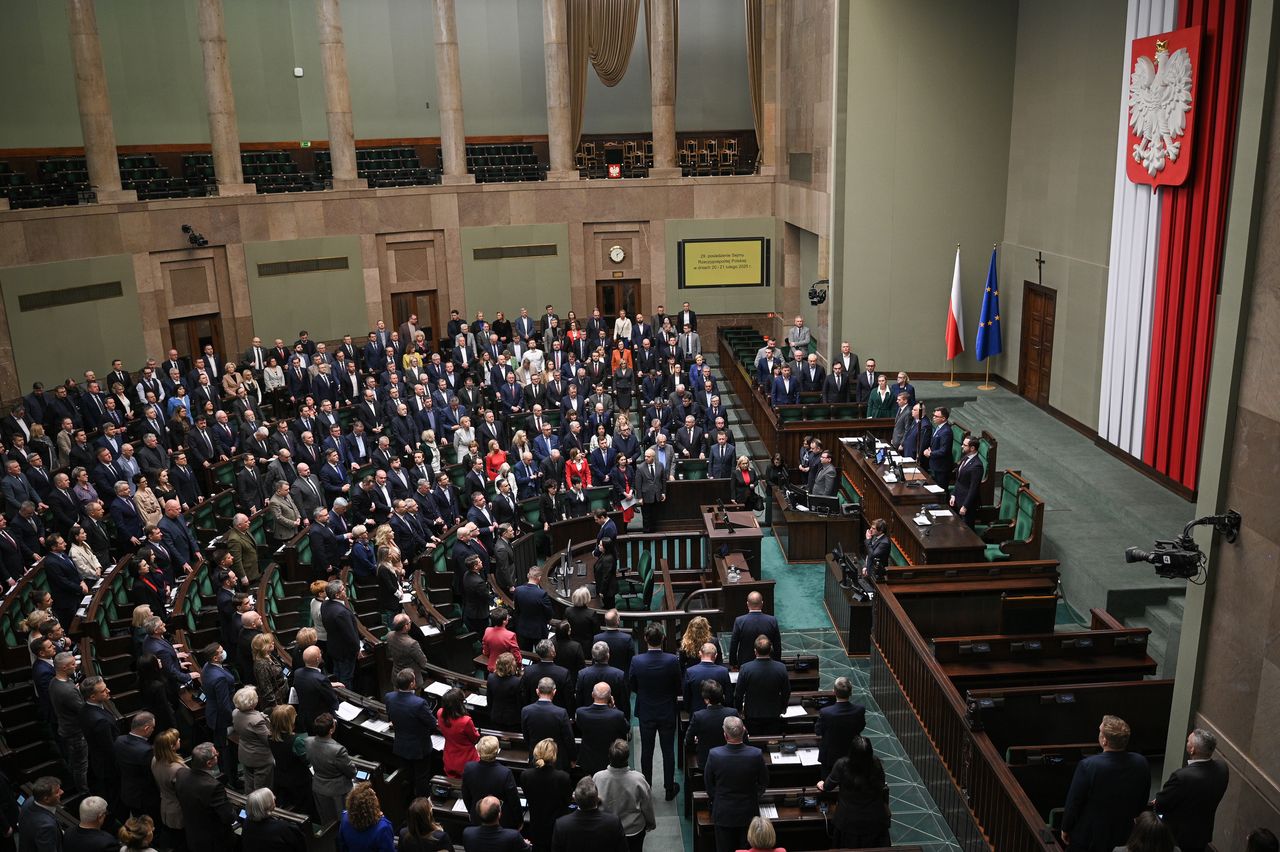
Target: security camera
point(1182, 558)
point(193, 237)
point(818, 292)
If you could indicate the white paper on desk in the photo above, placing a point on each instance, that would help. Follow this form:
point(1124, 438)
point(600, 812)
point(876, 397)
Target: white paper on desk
point(794, 710)
point(922, 521)
point(437, 742)
point(769, 811)
point(808, 756)
point(890, 478)
point(477, 700)
point(427, 630)
point(881, 445)
point(733, 677)
point(910, 471)
point(376, 725)
point(460, 806)
point(347, 711)
point(437, 687)
point(934, 489)
point(940, 513)
point(777, 758)
point(907, 460)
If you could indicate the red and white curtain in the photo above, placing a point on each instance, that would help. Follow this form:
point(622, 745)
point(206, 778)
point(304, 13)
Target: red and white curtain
point(1166, 255)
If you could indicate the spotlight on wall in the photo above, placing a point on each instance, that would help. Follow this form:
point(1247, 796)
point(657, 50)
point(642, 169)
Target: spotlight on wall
point(196, 239)
point(818, 292)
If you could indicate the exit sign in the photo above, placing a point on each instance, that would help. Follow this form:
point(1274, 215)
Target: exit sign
point(305, 143)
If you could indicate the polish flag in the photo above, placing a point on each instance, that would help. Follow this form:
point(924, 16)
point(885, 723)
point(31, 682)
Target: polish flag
point(955, 315)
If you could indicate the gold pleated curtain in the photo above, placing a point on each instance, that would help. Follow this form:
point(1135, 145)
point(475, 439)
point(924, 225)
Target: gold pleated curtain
point(601, 33)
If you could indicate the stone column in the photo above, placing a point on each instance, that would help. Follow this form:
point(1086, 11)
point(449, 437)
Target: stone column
point(453, 138)
point(337, 96)
point(224, 131)
point(662, 89)
point(94, 103)
point(555, 40)
point(770, 50)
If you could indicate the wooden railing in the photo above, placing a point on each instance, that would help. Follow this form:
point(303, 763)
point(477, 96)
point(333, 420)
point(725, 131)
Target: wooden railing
point(996, 813)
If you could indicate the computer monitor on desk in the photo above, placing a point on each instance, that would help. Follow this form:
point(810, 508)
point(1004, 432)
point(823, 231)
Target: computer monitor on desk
point(824, 505)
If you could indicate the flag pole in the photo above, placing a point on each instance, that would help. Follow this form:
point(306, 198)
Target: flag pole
point(986, 384)
point(951, 382)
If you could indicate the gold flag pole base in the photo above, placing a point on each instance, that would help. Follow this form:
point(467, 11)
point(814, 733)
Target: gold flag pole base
point(952, 383)
point(986, 384)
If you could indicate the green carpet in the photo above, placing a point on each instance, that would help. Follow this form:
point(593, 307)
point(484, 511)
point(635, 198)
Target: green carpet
point(797, 597)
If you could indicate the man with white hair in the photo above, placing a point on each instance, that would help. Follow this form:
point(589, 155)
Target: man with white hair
point(88, 836)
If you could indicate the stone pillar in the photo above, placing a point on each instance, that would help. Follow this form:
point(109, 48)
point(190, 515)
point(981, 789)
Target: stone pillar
point(770, 50)
point(555, 40)
point(662, 89)
point(95, 104)
point(453, 138)
point(224, 131)
point(337, 96)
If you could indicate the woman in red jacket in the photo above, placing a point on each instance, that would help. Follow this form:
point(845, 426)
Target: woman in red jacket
point(460, 734)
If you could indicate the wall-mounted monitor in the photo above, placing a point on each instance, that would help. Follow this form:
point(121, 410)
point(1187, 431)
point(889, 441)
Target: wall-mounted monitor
point(723, 262)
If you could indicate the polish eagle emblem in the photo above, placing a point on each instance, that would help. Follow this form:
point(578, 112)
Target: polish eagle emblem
point(1161, 94)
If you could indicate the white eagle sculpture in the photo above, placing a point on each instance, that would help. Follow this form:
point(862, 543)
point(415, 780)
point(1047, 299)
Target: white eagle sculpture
point(1159, 100)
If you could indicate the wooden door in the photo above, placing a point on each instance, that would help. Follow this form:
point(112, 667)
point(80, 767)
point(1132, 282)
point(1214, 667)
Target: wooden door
point(611, 296)
point(191, 334)
point(423, 303)
point(1035, 362)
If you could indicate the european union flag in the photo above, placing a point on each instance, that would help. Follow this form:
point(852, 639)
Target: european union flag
point(989, 342)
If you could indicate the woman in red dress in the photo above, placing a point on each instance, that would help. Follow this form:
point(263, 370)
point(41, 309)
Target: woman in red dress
point(460, 734)
point(744, 485)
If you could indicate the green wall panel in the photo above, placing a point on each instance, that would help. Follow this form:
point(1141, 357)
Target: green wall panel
point(327, 304)
point(722, 300)
point(508, 284)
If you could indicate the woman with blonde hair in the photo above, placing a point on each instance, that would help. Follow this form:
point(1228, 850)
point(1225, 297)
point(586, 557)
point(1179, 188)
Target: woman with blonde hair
point(697, 634)
point(430, 448)
point(166, 764)
point(520, 445)
point(231, 381)
point(547, 790)
point(141, 613)
point(761, 837)
point(465, 435)
point(268, 673)
point(289, 751)
point(255, 734)
point(363, 827)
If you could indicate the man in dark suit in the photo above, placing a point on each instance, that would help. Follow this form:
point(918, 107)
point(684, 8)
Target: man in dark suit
point(706, 729)
point(414, 724)
point(621, 649)
point(315, 692)
point(938, 452)
point(38, 828)
point(969, 473)
point(206, 812)
point(763, 690)
point(705, 669)
point(736, 777)
point(219, 687)
point(344, 633)
point(1188, 800)
point(138, 790)
point(835, 387)
point(651, 488)
point(838, 724)
point(785, 389)
point(64, 580)
point(600, 723)
point(654, 678)
point(546, 667)
point(747, 627)
point(589, 827)
point(99, 727)
point(1107, 791)
point(600, 671)
point(489, 835)
point(544, 720)
point(533, 610)
point(606, 553)
point(866, 381)
point(88, 835)
point(878, 549)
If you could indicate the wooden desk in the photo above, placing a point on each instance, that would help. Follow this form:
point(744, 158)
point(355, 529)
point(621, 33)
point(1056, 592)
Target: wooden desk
point(850, 614)
point(810, 537)
point(944, 541)
point(745, 537)
point(878, 496)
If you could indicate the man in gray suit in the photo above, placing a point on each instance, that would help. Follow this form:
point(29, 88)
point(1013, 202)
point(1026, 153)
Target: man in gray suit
point(307, 492)
point(284, 513)
point(651, 485)
point(331, 769)
point(901, 420)
point(824, 479)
